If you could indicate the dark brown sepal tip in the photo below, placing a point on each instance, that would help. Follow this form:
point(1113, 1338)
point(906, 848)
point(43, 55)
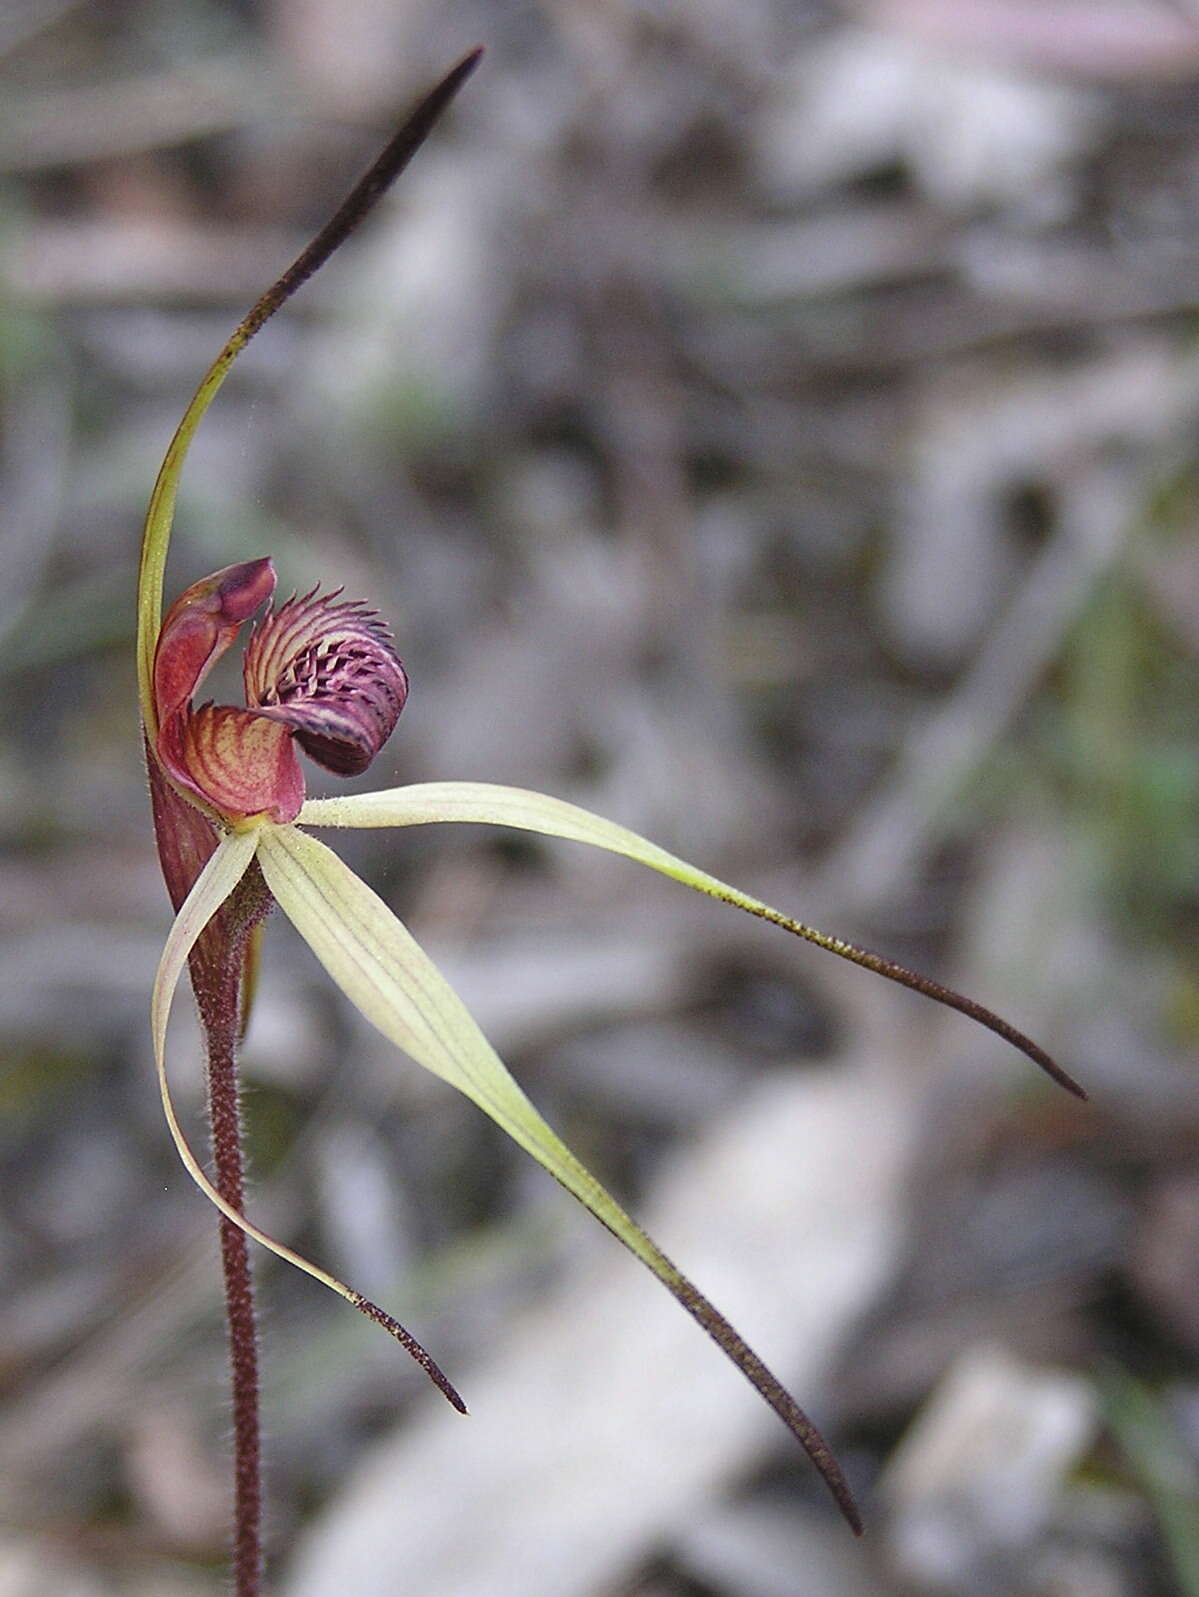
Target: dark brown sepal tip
point(362, 198)
point(734, 1346)
point(411, 1346)
point(892, 970)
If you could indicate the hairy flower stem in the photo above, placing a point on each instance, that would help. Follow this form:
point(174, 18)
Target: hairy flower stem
point(221, 975)
point(216, 973)
point(224, 1113)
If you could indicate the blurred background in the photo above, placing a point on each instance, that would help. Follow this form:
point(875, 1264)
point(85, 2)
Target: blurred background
point(772, 425)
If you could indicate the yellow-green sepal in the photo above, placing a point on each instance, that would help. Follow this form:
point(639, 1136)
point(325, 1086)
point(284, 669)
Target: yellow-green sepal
point(160, 518)
point(225, 868)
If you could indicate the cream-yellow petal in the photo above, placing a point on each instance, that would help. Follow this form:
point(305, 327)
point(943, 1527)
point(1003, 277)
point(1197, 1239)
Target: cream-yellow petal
point(385, 973)
point(494, 805)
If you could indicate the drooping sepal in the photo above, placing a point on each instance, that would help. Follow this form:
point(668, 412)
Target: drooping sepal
point(385, 973)
point(329, 670)
point(212, 894)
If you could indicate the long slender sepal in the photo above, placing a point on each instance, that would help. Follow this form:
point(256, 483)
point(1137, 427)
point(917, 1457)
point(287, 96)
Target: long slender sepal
point(387, 975)
point(213, 886)
point(537, 812)
point(363, 197)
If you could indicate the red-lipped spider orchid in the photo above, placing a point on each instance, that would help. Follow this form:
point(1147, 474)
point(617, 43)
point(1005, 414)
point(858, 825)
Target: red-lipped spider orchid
point(234, 833)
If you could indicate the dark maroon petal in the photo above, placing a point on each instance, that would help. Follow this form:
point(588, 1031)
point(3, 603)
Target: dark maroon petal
point(200, 626)
point(328, 670)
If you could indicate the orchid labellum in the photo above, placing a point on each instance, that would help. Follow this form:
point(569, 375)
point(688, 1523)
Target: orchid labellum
point(318, 673)
point(235, 836)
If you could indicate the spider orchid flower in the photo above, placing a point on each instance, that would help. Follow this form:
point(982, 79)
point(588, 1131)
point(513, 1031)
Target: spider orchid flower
point(236, 836)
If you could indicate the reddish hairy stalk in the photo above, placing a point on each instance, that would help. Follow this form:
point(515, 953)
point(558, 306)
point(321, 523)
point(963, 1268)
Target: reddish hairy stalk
point(185, 841)
point(219, 1015)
